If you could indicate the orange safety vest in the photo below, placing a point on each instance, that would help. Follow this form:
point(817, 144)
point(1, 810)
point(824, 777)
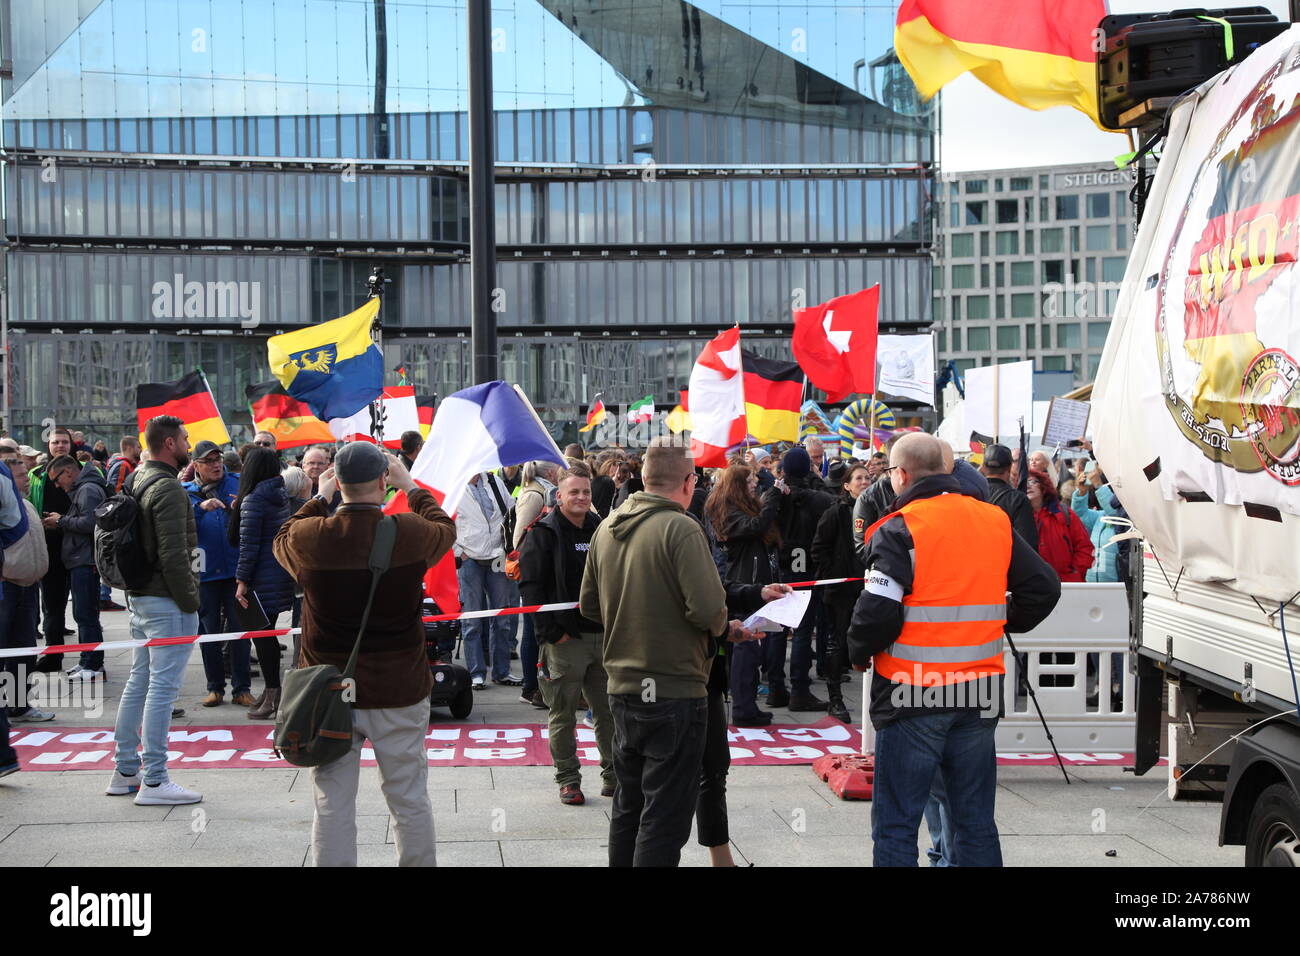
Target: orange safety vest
point(954, 617)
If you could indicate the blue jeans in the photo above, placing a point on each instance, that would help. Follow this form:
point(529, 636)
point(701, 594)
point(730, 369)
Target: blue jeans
point(908, 752)
point(18, 629)
point(938, 820)
point(800, 656)
point(528, 654)
point(151, 690)
point(105, 592)
point(481, 588)
point(85, 611)
point(217, 612)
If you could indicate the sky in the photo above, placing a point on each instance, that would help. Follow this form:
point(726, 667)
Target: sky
point(1023, 137)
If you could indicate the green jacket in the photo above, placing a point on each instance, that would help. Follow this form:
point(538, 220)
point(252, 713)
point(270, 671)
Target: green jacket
point(36, 488)
point(169, 536)
point(651, 583)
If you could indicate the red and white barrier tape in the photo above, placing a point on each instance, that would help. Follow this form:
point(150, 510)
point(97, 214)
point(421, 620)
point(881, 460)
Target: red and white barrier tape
point(281, 631)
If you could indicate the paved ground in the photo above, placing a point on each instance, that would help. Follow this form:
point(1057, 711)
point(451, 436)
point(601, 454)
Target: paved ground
point(510, 816)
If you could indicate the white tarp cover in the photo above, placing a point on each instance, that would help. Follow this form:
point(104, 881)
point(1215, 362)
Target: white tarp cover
point(1200, 368)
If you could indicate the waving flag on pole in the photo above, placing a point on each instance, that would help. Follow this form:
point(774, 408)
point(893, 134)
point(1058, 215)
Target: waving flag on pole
point(835, 343)
point(773, 391)
point(717, 400)
point(333, 367)
point(401, 414)
point(642, 410)
point(1038, 53)
point(189, 399)
point(480, 428)
point(595, 415)
point(289, 420)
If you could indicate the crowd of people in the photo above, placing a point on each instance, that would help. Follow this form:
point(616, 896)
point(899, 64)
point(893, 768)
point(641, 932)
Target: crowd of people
point(632, 538)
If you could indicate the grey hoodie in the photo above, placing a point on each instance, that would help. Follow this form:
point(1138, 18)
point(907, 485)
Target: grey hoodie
point(78, 525)
point(651, 583)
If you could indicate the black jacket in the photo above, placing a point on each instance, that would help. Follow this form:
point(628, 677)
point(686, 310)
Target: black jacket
point(602, 494)
point(834, 555)
point(261, 513)
point(878, 618)
point(872, 505)
point(1015, 503)
point(750, 559)
point(797, 519)
point(630, 487)
point(552, 558)
point(78, 525)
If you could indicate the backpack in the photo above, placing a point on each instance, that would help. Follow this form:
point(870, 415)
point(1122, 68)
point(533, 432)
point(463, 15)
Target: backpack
point(513, 571)
point(26, 560)
point(119, 548)
point(313, 726)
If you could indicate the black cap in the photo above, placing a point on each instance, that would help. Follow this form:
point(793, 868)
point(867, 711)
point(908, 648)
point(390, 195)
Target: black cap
point(997, 457)
point(204, 448)
point(359, 462)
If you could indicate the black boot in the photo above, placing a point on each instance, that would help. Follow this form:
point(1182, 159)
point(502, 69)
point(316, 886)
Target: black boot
point(835, 706)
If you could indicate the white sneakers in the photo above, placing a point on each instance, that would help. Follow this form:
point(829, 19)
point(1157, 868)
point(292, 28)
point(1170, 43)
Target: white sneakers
point(166, 794)
point(121, 785)
point(33, 715)
point(85, 674)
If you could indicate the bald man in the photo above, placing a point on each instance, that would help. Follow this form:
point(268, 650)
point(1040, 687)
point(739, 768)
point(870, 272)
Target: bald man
point(930, 620)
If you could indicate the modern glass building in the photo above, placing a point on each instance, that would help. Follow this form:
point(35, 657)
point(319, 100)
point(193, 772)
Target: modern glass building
point(1031, 265)
point(184, 178)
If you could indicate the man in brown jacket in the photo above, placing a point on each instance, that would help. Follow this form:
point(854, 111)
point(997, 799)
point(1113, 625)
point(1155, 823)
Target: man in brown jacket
point(328, 557)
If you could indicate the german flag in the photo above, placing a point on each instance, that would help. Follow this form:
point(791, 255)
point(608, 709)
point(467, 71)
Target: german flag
point(595, 415)
point(190, 400)
point(289, 420)
point(1038, 53)
point(773, 394)
point(424, 405)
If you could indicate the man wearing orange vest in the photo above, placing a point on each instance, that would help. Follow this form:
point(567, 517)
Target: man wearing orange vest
point(946, 576)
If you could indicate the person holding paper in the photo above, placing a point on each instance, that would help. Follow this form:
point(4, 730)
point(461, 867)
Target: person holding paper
point(745, 528)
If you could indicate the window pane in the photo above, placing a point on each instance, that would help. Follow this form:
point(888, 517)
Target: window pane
point(1029, 336)
point(977, 339)
point(1112, 268)
point(976, 213)
point(1008, 210)
point(1098, 205)
point(1021, 183)
point(1022, 273)
point(962, 245)
point(984, 243)
point(1067, 207)
point(1022, 305)
point(1008, 243)
point(1053, 270)
point(977, 307)
point(1052, 240)
point(977, 185)
point(1008, 337)
point(1097, 334)
point(1029, 242)
point(1098, 238)
point(963, 277)
point(1067, 335)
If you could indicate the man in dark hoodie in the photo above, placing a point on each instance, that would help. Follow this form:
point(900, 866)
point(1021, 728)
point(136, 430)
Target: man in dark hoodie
point(803, 502)
point(86, 491)
point(651, 583)
point(997, 469)
point(551, 562)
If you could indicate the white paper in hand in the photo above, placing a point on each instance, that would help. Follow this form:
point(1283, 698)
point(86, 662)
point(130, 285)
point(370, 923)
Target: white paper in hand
point(781, 613)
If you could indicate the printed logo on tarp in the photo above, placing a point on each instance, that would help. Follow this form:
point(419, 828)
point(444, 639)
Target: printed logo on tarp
point(1225, 288)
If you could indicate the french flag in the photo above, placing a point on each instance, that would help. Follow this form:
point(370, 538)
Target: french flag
point(478, 429)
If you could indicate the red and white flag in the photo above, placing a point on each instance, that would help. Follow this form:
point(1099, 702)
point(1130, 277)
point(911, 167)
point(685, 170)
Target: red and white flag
point(835, 343)
point(717, 397)
point(401, 414)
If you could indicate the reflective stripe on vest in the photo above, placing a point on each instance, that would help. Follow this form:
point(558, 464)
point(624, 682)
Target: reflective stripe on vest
point(953, 617)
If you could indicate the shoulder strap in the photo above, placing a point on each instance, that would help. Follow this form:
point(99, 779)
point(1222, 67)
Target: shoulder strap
point(496, 493)
point(381, 554)
point(138, 494)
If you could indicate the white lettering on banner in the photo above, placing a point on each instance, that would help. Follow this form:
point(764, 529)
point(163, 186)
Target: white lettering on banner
point(39, 739)
point(506, 735)
point(589, 753)
point(495, 753)
point(585, 735)
point(442, 735)
point(750, 733)
point(813, 734)
point(267, 755)
point(442, 753)
point(95, 737)
point(185, 736)
point(739, 753)
point(211, 756)
point(790, 753)
point(58, 756)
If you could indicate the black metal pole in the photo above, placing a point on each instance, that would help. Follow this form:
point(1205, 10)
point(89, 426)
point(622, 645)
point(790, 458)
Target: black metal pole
point(381, 81)
point(482, 212)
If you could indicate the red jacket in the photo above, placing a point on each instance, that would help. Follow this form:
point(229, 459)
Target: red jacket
point(1063, 541)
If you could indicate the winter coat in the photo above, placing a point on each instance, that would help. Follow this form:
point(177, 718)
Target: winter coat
point(1063, 541)
point(872, 505)
point(78, 525)
point(551, 562)
point(833, 553)
point(219, 555)
point(261, 514)
point(749, 558)
point(477, 536)
point(1104, 567)
point(1016, 504)
point(533, 498)
point(797, 520)
point(168, 533)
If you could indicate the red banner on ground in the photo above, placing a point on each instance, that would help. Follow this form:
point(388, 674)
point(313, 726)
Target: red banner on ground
point(460, 745)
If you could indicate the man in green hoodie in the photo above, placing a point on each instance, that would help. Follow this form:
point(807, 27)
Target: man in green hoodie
point(651, 583)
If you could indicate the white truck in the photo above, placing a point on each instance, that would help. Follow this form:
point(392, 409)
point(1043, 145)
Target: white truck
point(1197, 426)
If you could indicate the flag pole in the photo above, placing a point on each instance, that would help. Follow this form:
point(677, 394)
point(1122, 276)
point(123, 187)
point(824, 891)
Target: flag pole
point(537, 418)
point(375, 283)
point(997, 377)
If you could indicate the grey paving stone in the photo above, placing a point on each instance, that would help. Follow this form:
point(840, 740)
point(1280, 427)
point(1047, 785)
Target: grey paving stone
point(1079, 851)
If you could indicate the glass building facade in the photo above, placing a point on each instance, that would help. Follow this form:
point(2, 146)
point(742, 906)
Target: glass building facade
point(184, 178)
